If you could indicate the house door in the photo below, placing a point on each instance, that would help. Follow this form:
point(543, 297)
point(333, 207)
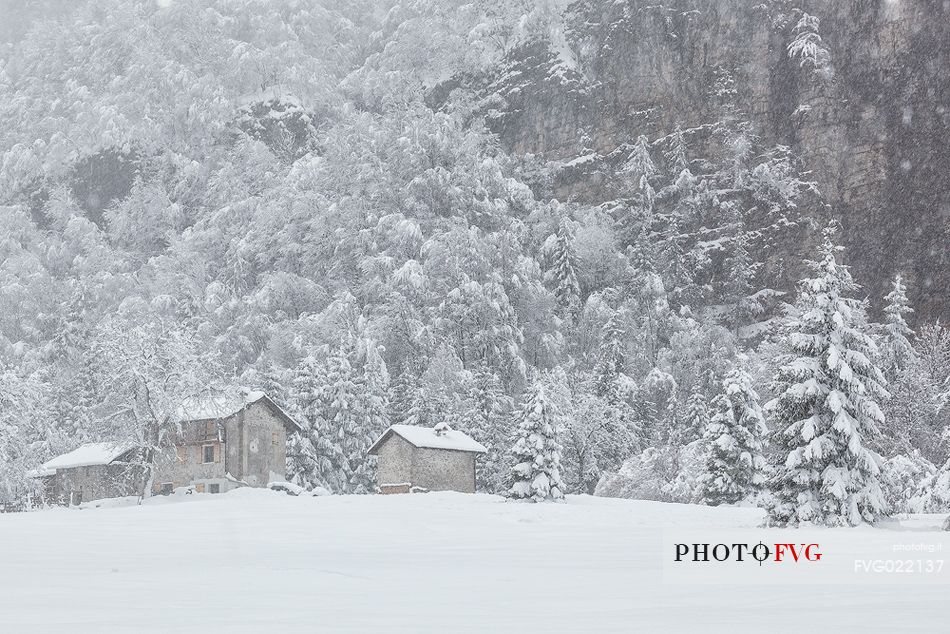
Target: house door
point(75, 498)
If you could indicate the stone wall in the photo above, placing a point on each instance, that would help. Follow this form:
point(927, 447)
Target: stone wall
point(394, 461)
point(82, 484)
point(185, 465)
point(443, 470)
point(257, 445)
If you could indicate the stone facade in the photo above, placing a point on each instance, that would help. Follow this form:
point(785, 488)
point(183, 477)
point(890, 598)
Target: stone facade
point(248, 448)
point(443, 470)
point(82, 484)
point(402, 466)
point(394, 462)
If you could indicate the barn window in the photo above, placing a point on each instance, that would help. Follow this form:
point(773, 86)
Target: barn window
point(274, 438)
point(199, 488)
point(207, 453)
point(214, 488)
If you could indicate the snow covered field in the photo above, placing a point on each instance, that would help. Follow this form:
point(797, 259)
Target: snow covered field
point(260, 561)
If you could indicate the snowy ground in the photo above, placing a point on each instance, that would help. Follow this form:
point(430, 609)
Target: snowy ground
point(260, 561)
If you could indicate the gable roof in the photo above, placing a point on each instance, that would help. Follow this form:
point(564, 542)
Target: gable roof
point(89, 455)
point(427, 438)
point(225, 405)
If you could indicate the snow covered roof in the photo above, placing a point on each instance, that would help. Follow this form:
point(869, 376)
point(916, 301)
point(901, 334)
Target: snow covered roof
point(429, 438)
point(92, 454)
point(218, 405)
point(223, 405)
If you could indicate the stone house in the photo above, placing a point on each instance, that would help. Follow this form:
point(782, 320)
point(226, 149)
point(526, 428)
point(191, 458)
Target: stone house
point(223, 443)
point(411, 458)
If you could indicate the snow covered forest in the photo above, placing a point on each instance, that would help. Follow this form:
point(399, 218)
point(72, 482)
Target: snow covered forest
point(322, 200)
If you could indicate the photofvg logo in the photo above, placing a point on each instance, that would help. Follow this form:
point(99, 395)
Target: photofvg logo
point(807, 555)
point(760, 553)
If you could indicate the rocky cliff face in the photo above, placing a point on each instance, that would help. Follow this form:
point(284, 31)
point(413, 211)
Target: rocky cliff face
point(870, 120)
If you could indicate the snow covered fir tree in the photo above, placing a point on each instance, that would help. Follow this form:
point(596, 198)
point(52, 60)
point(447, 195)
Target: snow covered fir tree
point(827, 409)
point(390, 213)
point(896, 349)
point(735, 467)
point(536, 455)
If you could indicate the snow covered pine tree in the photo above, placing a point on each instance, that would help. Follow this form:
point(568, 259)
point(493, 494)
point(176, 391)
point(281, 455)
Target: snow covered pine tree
point(827, 407)
point(562, 276)
point(896, 349)
point(536, 474)
point(735, 465)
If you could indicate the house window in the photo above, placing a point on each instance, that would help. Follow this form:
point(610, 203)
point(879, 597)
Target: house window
point(167, 488)
point(207, 453)
point(214, 488)
point(207, 430)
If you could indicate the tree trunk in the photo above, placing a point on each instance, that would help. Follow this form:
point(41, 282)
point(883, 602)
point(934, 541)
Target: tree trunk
point(148, 475)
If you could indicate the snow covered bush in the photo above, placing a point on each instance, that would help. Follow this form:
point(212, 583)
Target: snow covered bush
point(641, 477)
point(933, 493)
point(687, 463)
point(900, 477)
point(287, 487)
point(669, 474)
point(914, 414)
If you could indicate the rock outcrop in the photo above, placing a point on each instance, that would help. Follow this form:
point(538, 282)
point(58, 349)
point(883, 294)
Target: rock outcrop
point(868, 113)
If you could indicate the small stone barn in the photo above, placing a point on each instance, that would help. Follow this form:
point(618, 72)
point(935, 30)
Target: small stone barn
point(91, 472)
point(425, 458)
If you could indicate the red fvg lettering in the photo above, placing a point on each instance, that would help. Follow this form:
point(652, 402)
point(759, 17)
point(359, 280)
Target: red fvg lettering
point(796, 551)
